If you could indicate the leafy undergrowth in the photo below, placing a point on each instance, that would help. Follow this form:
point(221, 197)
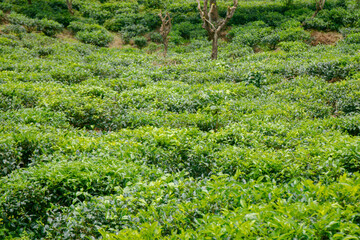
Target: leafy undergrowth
point(121, 144)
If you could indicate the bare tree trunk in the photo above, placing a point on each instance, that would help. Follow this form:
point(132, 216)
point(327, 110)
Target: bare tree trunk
point(166, 43)
point(69, 5)
point(165, 30)
point(212, 22)
point(319, 6)
point(214, 52)
point(315, 13)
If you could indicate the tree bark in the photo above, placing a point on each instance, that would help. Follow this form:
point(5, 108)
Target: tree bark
point(212, 22)
point(215, 12)
point(319, 6)
point(315, 13)
point(69, 5)
point(214, 52)
point(165, 30)
point(166, 43)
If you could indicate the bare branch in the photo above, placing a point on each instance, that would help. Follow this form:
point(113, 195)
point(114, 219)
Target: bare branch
point(202, 13)
point(206, 6)
point(211, 12)
point(211, 22)
point(69, 5)
point(207, 23)
point(229, 14)
point(319, 6)
point(213, 28)
point(161, 16)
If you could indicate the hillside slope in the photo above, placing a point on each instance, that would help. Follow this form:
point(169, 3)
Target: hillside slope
point(122, 143)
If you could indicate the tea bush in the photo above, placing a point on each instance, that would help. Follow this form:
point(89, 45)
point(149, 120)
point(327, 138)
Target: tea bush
point(251, 34)
point(80, 26)
point(7, 42)
point(332, 69)
point(347, 31)
point(145, 22)
point(49, 27)
point(353, 38)
point(2, 16)
point(132, 31)
point(140, 42)
point(152, 48)
point(14, 29)
point(272, 18)
point(91, 33)
point(215, 195)
point(152, 3)
point(156, 37)
point(188, 30)
point(334, 17)
point(99, 15)
point(120, 21)
point(98, 38)
point(271, 40)
point(294, 34)
point(316, 23)
point(87, 179)
point(295, 46)
point(300, 14)
point(18, 19)
point(5, 6)
point(175, 38)
point(293, 23)
point(55, 10)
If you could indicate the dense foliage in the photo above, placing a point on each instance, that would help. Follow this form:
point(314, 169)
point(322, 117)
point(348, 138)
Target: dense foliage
point(121, 143)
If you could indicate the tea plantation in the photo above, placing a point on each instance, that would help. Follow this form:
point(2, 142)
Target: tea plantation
point(101, 137)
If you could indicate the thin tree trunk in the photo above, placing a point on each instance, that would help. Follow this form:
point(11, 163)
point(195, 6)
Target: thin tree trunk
point(212, 23)
point(166, 43)
point(165, 30)
point(318, 9)
point(214, 52)
point(319, 6)
point(315, 13)
point(69, 5)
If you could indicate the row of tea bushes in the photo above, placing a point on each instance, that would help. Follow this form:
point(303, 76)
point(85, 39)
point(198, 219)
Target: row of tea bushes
point(73, 167)
point(48, 27)
point(91, 33)
point(173, 208)
point(178, 104)
point(87, 62)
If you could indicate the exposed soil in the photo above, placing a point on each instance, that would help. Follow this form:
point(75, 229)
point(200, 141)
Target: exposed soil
point(116, 43)
point(66, 35)
point(334, 80)
point(326, 38)
point(257, 49)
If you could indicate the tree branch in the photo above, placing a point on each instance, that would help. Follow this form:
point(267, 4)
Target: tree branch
point(211, 22)
point(229, 14)
point(211, 12)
